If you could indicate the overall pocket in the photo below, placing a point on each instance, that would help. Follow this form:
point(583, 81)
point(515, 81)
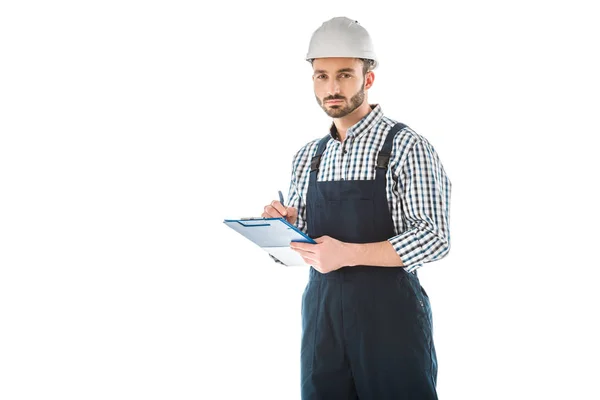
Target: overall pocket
point(418, 302)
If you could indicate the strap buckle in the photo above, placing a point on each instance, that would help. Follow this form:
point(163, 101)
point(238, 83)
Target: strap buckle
point(314, 163)
point(383, 159)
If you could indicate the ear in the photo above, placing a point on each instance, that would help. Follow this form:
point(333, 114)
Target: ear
point(369, 79)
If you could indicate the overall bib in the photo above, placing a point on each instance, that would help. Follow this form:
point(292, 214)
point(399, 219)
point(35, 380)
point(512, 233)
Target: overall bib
point(366, 330)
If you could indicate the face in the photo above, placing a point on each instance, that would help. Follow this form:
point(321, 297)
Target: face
point(339, 85)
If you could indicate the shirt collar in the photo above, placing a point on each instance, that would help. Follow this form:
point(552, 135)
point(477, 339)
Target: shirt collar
point(366, 124)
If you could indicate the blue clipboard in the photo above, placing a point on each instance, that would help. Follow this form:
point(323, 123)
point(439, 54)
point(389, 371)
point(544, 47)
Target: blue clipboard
point(272, 235)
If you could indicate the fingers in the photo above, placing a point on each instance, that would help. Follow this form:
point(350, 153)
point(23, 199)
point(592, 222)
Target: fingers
point(292, 215)
point(292, 212)
point(278, 210)
point(309, 260)
point(281, 209)
point(274, 210)
point(271, 212)
point(309, 257)
point(303, 248)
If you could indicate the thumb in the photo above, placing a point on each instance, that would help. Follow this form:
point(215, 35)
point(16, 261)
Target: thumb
point(292, 215)
point(321, 239)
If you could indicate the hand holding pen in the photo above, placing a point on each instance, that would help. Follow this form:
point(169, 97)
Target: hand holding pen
point(277, 209)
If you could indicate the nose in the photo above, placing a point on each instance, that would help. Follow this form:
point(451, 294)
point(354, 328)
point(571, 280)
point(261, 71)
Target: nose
point(333, 88)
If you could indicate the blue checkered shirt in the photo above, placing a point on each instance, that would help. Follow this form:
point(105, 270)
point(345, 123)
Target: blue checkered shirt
point(418, 189)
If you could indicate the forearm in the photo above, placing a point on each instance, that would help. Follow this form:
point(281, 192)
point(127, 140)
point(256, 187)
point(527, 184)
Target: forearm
point(381, 254)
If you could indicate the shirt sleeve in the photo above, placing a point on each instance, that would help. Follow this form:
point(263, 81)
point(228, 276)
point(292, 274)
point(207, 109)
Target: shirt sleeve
point(424, 193)
point(295, 198)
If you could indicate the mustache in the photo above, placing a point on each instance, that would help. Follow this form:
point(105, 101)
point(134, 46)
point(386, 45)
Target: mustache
point(334, 98)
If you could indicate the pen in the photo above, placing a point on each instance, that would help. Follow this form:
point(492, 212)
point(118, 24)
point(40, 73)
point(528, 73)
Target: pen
point(281, 198)
point(281, 201)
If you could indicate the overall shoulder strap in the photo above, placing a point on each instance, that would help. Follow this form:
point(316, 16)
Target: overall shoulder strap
point(316, 160)
point(383, 158)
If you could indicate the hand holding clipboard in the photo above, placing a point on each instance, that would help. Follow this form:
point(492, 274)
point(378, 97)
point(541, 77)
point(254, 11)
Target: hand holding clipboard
point(274, 231)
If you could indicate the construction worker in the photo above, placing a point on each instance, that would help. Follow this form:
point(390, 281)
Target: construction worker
point(375, 197)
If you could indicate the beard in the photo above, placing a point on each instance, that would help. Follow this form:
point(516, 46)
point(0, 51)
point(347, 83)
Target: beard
point(341, 110)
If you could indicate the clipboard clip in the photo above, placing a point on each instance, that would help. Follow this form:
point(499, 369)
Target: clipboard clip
point(250, 224)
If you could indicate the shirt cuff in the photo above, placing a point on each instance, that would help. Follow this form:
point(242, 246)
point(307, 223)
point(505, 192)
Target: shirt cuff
point(416, 247)
point(276, 259)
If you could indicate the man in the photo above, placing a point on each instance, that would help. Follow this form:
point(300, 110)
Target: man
point(375, 197)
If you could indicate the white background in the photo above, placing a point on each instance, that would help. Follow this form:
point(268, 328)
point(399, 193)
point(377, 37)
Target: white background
point(130, 130)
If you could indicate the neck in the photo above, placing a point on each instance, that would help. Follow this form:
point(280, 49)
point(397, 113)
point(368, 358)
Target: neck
point(342, 124)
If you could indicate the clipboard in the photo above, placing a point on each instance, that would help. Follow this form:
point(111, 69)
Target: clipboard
point(273, 235)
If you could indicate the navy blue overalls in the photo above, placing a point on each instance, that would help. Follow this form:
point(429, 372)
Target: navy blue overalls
point(366, 330)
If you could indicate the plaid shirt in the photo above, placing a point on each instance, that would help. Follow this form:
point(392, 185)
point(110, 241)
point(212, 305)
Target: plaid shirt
point(418, 190)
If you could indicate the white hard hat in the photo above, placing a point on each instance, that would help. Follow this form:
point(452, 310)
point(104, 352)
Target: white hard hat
point(341, 37)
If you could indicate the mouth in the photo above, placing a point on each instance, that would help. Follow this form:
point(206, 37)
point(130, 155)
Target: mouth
point(334, 101)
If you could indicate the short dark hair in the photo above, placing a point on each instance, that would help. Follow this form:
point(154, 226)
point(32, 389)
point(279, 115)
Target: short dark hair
point(367, 65)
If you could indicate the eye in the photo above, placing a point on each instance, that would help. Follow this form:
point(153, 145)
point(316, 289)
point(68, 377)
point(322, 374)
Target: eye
point(345, 75)
point(322, 76)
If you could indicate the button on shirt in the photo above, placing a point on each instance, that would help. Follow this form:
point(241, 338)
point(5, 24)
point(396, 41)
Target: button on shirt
point(418, 190)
